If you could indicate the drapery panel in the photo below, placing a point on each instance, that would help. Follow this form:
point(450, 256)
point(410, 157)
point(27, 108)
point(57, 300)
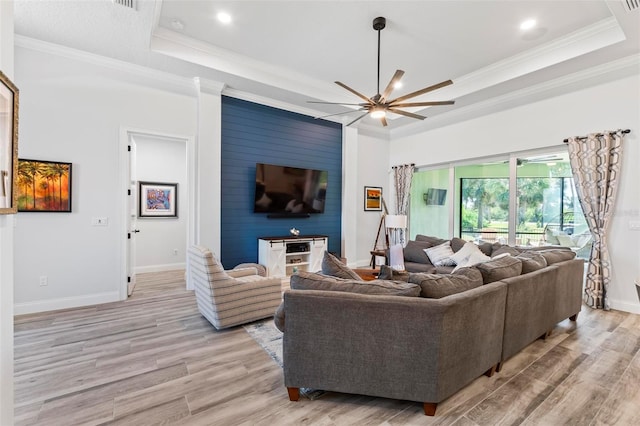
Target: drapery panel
point(595, 164)
point(402, 176)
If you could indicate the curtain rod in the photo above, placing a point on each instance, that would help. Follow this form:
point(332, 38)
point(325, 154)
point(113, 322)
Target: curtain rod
point(600, 134)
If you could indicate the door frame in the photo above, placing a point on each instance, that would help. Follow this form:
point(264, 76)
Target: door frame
point(191, 210)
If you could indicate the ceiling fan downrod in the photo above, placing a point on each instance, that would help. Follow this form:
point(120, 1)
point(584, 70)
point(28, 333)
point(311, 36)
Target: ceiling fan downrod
point(378, 24)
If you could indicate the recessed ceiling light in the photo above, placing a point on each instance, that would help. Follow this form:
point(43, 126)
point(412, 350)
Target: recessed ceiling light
point(528, 24)
point(224, 17)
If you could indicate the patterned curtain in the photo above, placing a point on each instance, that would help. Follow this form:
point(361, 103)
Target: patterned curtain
point(402, 176)
point(595, 163)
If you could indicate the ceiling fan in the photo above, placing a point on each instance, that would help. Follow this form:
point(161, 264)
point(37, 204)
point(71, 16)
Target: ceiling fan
point(378, 105)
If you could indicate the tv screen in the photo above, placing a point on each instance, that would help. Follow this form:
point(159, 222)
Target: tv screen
point(283, 189)
point(435, 197)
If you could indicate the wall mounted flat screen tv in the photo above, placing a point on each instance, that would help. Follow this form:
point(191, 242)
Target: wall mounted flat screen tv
point(435, 197)
point(289, 190)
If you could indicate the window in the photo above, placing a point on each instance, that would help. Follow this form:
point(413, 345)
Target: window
point(481, 202)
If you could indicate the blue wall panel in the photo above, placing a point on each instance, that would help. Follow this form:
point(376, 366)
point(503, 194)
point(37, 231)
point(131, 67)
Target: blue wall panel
point(254, 133)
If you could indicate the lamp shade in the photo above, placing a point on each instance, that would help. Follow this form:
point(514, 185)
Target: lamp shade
point(395, 221)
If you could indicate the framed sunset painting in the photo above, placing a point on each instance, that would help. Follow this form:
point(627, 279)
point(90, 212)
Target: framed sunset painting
point(44, 186)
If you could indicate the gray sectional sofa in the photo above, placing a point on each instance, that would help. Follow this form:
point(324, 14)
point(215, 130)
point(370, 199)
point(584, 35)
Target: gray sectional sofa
point(425, 339)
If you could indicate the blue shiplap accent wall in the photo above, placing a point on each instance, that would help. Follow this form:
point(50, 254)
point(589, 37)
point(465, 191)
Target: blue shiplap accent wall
point(254, 133)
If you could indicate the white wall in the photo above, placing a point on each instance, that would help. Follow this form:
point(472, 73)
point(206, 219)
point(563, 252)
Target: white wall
point(546, 123)
point(6, 243)
point(161, 160)
point(373, 170)
point(72, 110)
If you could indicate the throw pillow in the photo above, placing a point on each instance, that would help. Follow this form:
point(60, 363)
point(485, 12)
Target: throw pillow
point(388, 273)
point(512, 251)
point(311, 281)
point(473, 259)
point(499, 269)
point(436, 286)
point(457, 244)
point(332, 266)
point(440, 255)
point(414, 252)
point(550, 236)
point(531, 261)
point(434, 241)
point(557, 255)
point(465, 252)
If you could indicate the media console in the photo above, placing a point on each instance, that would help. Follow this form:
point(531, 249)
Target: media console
point(283, 256)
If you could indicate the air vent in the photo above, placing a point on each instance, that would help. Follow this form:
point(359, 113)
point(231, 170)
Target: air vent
point(131, 4)
point(631, 5)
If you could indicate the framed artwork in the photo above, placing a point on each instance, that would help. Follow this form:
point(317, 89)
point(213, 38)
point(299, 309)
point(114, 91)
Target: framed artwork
point(44, 186)
point(8, 145)
point(372, 198)
point(157, 199)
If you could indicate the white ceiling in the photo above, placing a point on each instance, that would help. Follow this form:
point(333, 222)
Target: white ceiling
point(293, 51)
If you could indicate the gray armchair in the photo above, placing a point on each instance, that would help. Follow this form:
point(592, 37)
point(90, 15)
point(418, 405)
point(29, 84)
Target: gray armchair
point(229, 298)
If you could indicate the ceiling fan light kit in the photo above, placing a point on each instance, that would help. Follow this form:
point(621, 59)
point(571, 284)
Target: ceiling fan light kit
point(378, 105)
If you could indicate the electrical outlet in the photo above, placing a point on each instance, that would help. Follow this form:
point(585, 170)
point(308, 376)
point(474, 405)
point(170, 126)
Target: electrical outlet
point(43, 280)
point(99, 221)
point(634, 225)
point(175, 252)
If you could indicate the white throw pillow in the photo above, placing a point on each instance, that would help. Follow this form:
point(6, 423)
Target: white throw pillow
point(441, 255)
point(396, 257)
point(474, 259)
point(465, 252)
point(565, 240)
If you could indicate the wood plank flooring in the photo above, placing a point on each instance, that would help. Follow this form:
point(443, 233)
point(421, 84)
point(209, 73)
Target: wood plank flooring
point(154, 360)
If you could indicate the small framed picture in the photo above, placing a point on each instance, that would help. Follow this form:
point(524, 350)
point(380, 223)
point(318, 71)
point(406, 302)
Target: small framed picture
point(372, 198)
point(8, 146)
point(44, 186)
point(157, 199)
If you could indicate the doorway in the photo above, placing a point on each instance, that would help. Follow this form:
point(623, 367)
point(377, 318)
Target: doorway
point(156, 240)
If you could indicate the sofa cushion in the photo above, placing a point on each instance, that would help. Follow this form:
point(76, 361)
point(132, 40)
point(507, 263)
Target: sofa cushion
point(440, 255)
point(434, 241)
point(505, 249)
point(388, 273)
point(499, 269)
point(435, 286)
point(457, 244)
point(332, 266)
point(485, 247)
point(557, 255)
point(420, 267)
point(531, 261)
point(311, 281)
point(414, 252)
point(469, 272)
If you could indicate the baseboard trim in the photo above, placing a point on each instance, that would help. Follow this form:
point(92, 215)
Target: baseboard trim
point(620, 305)
point(65, 303)
point(160, 268)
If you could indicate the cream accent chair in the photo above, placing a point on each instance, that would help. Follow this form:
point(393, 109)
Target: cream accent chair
point(228, 298)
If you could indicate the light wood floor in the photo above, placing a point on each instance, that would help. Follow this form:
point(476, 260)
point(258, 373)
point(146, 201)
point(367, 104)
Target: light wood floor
point(154, 360)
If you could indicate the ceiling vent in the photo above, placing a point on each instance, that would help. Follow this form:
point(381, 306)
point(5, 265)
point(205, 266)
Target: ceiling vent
point(131, 4)
point(631, 5)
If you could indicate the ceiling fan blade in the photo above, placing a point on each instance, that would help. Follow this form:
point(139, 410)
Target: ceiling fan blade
point(334, 103)
point(420, 104)
point(358, 94)
point(387, 91)
point(383, 121)
point(407, 114)
point(362, 116)
point(422, 91)
point(339, 113)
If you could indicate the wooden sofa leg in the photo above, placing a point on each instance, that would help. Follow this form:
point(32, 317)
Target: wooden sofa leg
point(574, 317)
point(294, 394)
point(499, 366)
point(430, 408)
point(546, 335)
point(491, 371)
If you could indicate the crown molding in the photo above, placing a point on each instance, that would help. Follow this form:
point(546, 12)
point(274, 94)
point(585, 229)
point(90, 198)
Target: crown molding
point(209, 86)
point(147, 75)
point(549, 88)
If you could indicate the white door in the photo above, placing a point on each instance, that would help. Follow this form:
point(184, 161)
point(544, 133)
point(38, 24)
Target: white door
point(318, 248)
point(132, 230)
